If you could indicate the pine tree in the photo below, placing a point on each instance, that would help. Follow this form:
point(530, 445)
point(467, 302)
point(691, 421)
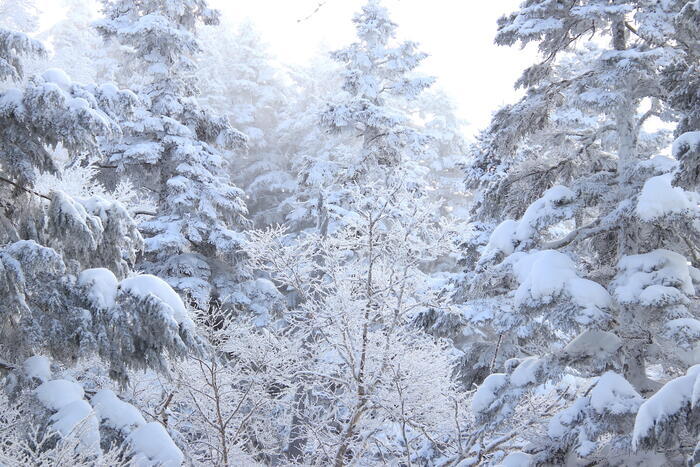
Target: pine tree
point(376, 74)
point(19, 15)
point(588, 274)
point(177, 149)
point(64, 262)
point(317, 156)
point(76, 46)
point(239, 79)
point(49, 238)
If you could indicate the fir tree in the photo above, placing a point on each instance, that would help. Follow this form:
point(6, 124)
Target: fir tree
point(176, 149)
point(588, 271)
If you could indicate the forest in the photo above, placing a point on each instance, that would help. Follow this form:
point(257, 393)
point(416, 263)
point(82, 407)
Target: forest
point(208, 257)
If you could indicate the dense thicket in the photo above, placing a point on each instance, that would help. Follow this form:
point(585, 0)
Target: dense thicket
point(211, 258)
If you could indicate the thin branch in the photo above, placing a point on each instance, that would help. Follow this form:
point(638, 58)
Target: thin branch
point(692, 250)
point(634, 31)
point(17, 185)
point(579, 234)
point(144, 213)
point(495, 353)
point(48, 198)
point(316, 10)
point(536, 172)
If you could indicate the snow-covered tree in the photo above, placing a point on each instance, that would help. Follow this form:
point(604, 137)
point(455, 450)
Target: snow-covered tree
point(54, 236)
point(377, 74)
point(375, 71)
point(233, 405)
point(445, 153)
point(66, 278)
point(54, 419)
point(316, 156)
point(19, 15)
point(582, 249)
point(76, 46)
point(544, 313)
point(239, 79)
point(371, 103)
point(176, 149)
point(371, 386)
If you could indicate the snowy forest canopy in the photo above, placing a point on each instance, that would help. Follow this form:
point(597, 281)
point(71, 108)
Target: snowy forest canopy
point(211, 258)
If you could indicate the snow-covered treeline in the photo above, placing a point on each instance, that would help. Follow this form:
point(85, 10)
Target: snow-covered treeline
point(208, 257)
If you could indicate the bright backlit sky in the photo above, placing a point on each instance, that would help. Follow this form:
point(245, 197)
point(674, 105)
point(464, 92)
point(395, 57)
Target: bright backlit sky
point(458, 35)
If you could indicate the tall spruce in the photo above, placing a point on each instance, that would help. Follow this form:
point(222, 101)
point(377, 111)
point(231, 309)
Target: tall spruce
point(178, 150)
point(583, 244)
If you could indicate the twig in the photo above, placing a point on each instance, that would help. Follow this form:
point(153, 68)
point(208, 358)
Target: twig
point(580, 233)
point(144, 213)
point(161, 412)
point(28, 190)
point(495, 353)
point(48, 198)
point(318, 7)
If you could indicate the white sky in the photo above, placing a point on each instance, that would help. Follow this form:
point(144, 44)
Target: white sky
point(458, 35)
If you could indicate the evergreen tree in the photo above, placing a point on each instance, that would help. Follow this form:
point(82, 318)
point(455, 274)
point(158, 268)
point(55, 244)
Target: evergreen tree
point(19, 15)
point(175, 148)
point(317, 157)
point(240, 80)
point(75, 45)
point(376, 74)
point(588, 274)
point(48, 239)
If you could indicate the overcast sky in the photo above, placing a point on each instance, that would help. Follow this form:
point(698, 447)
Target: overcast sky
point(458, 35)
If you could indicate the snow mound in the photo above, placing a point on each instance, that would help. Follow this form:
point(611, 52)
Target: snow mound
point(593, 343)
point(684, 331)
point(38, 367)
point(116, 413)
point(548, 275)
point(58, 77)
point(526, 372)
point(660, 164)
point(517, 459)
point(485, 396)
point(146, 285)
point(613, 394)
point(503, 237)
point(559, 425)
point(58, 393)
point(687, 142)
point(667, 404)
point(73, 415)
point(11, 101)
point(552, 207)
point(102, 286)
point(152, 444)
point(658, 278)
point(659, 198)
point(77, 418)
